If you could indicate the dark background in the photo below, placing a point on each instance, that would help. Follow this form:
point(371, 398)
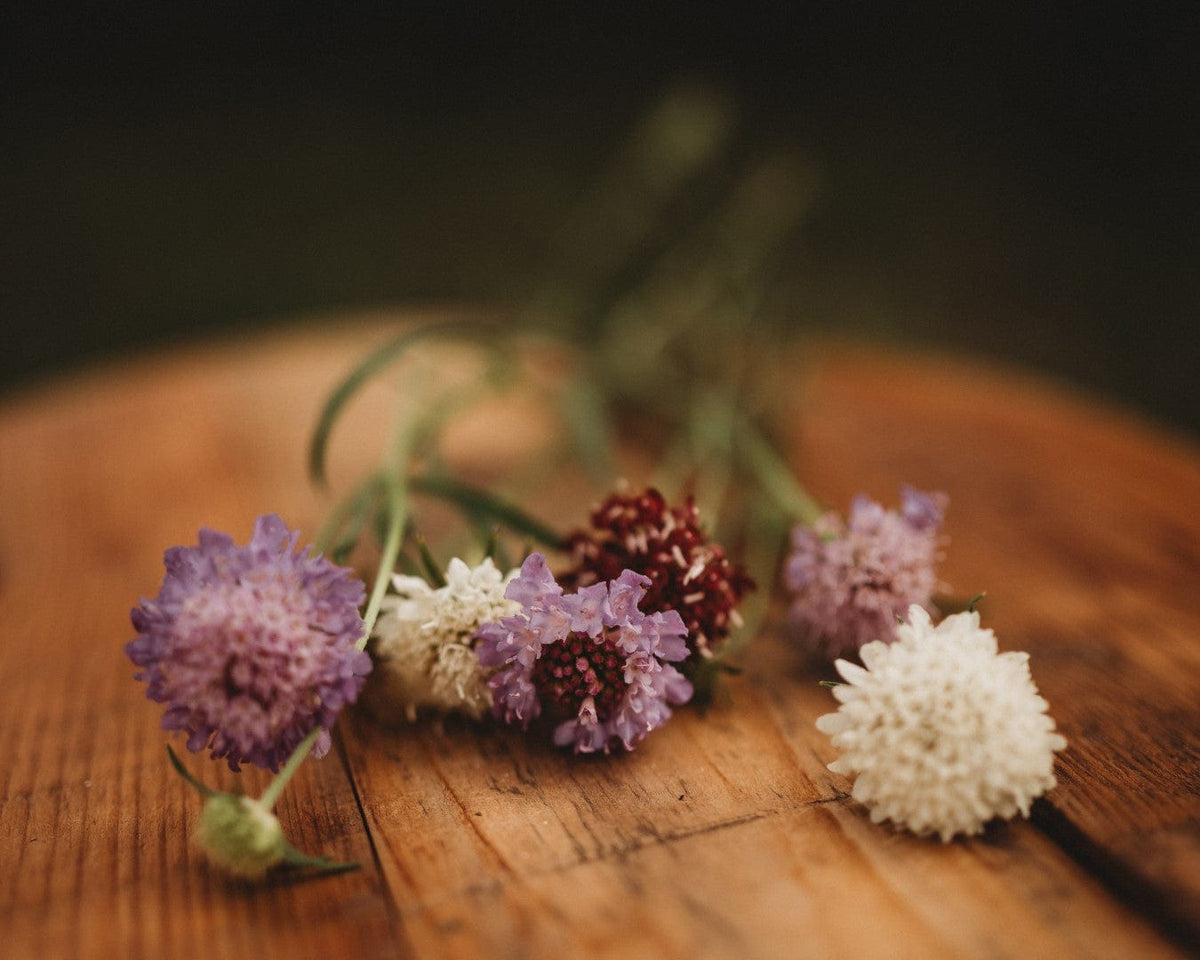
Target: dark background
point(1009, 181)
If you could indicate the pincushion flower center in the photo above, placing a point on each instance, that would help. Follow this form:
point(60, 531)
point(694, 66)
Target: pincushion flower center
point(243, 625)
point(579, 667)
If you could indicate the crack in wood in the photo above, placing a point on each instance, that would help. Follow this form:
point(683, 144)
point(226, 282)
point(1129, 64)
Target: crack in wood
point(390, 905)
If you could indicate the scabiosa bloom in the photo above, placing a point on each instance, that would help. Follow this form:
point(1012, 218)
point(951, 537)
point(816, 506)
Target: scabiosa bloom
point(251, 648)
point(425, 640)
point(942, 732)
point(853, 580)
point(592, 660)
point(685, 572)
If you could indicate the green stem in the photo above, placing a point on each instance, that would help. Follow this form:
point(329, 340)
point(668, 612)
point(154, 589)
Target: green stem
point(397, 509)
point(271, 795)
point(342, 528)
point(397, 516)
point(774, 475)
point(372, 364)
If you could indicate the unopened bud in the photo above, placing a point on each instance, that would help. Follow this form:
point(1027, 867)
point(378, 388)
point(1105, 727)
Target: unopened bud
point(241, 835)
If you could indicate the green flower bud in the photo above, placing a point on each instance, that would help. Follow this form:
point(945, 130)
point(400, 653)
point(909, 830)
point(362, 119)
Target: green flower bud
point(241, 835)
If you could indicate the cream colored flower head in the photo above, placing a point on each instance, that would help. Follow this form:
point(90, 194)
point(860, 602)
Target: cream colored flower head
point(424, 639)
point(942, 732)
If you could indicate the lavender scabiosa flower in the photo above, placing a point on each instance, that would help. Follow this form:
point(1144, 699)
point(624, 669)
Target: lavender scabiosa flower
point(592, 660)
point(251, 648)
point(424, 640)
point(852, 580)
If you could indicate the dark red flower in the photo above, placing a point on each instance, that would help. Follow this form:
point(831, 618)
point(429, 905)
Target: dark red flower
point(687, 573)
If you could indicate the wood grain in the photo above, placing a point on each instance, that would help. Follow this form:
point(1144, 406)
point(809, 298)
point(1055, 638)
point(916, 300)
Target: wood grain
point(723, 835)
point(97, 477)
point(1084, 526)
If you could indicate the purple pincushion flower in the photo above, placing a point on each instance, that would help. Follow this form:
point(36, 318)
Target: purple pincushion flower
point(592, 660)
point(852, 580)
point(251, 648)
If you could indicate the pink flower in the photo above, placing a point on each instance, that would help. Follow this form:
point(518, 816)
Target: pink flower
point(852, 581)
point(591, 660)
point(251, 648)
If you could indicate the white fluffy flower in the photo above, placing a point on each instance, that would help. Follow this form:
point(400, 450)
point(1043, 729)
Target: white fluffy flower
point(942, 732)
point(424, 640)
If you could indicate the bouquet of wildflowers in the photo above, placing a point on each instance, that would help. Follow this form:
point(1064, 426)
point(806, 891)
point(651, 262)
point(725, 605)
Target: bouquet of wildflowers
point(593, 636)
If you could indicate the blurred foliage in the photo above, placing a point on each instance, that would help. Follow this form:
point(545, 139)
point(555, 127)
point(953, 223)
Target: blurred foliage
point(1005, 181)
point(657, 288)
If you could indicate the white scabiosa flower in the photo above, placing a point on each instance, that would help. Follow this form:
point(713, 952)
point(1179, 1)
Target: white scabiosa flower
point(424, 641)
point(942, 732)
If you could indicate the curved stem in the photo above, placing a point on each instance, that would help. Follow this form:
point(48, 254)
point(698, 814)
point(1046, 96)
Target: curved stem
point(352, 510)
point(397, 517)
point(396, 486)
point(397, 500)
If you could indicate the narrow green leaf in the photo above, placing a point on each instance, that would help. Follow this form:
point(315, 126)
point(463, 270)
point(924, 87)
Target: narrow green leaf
point(323, 865)
point(765, 534)
point(775, 477)
point(433, 573)
point(377, 360)
point(493, 544)
point(345, 523)
point(705, 675)
point(202, 789)
point(947, 604)
point(478, 502)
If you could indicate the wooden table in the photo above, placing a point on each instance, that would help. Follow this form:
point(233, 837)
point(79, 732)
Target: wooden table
point(723, 835)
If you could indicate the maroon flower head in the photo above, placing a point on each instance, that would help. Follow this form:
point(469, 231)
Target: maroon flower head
point(687, 573)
